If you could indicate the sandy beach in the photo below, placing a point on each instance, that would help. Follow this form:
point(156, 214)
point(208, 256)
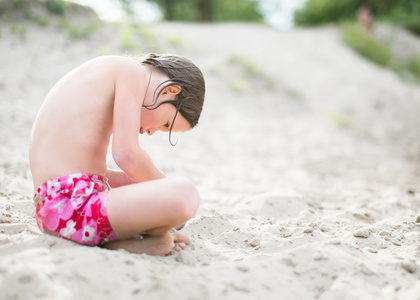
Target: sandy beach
point(307, 160)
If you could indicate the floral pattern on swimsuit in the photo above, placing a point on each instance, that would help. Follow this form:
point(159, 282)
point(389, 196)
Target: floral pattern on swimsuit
point(74, 207)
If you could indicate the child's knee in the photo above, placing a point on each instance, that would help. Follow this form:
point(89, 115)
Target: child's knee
point(187, 197)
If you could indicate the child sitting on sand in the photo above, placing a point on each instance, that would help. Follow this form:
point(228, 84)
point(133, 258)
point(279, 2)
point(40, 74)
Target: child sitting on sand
point(122, 97)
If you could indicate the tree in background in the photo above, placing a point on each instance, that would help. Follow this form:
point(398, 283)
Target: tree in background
point(206, 10)
point(401, 12)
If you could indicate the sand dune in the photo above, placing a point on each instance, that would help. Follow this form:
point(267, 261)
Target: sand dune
point(307, 160)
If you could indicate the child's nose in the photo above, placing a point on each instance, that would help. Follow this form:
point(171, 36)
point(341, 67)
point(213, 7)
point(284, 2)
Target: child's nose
point(150, 131)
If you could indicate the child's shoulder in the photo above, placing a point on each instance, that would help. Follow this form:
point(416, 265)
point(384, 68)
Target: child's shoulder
point(117, 61)
point(123, 64)
point(117, 66)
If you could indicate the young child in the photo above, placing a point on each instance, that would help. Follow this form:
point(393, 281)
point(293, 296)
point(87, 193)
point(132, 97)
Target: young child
point(122, 97)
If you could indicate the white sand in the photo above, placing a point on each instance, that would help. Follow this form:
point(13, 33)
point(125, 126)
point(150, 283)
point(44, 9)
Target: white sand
point(309, 176)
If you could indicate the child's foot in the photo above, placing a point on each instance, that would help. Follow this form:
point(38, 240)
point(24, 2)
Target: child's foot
point(152, 245)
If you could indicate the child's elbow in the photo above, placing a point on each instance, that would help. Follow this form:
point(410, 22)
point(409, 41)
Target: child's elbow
point(123, 159)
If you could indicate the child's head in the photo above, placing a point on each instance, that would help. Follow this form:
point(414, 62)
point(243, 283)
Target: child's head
point(185, 75)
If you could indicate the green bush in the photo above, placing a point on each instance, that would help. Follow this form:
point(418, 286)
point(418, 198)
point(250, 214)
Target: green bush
point(78, 31)
point(317, 12)
point(360, 41)
point(414, 67)
point(413, 26)
point(127, 38)
point(18, 4)
point(40, 20)
point(326, 11)
point(56, 6)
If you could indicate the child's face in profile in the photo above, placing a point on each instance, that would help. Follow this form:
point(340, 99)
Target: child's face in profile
point(161, 118)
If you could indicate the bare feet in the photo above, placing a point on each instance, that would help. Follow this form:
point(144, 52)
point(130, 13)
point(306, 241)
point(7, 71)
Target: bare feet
point(153, 245)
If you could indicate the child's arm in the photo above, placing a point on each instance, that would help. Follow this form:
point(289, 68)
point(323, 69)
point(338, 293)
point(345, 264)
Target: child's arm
point(130, 90)
point(117, 178)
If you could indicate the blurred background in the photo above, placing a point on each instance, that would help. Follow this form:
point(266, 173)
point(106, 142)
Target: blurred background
point(286, 14)
point(310, 130)
point(282, 14)
point(279, 14)
point(273, 12)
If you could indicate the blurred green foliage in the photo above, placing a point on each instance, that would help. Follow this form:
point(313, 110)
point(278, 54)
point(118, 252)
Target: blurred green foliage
point(236, 10)
point(247, 74)
point(79, 31)
point(413, 26)
point(363, 43)
point(77, 20)
point(56, 6)
point(317, 12)
point(338, 120)
point(137, 38)
point(206, 10)
point(128, 39)
point(414, 67)
point(240, 84)
point(367, 46)
point(405, 13)
point(402, 13)
point(53, 6)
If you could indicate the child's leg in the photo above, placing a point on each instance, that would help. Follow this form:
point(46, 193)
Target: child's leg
point(153, 207)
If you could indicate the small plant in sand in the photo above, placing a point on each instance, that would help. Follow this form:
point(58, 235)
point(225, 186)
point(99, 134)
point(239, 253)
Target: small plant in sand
point(136, 37)
point(79, 31)
point(338, 120)
point(19, 30)
point(408, 70)
point(128, 39)
point(246, 63)
point(174, 40)
point(240, 84)
point(248, 72)
point(295, 94)
point(147, 36)
point(103, 50)
point(145, 32)
point(40, 20)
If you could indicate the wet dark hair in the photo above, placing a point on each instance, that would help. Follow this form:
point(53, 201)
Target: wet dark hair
point(183, 73)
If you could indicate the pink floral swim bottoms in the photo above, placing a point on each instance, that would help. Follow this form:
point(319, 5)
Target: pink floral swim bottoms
point(74, 207)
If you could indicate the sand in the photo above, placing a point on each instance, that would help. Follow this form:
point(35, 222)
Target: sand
point(307, 160)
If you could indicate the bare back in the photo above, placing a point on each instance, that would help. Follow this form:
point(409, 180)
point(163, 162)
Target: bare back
point(72, 131)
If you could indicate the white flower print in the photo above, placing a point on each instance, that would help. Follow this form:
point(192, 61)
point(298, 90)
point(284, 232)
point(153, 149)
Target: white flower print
point(76, 201)
point(71, 177)
point(89, 190)
point(53, 186)
point(69, 230)
point(59, 206)
point(88, 233)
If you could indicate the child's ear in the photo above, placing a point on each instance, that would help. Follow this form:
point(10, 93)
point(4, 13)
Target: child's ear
point(172, 89)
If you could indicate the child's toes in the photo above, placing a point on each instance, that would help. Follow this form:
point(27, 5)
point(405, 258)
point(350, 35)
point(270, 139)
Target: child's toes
point(179, 246)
